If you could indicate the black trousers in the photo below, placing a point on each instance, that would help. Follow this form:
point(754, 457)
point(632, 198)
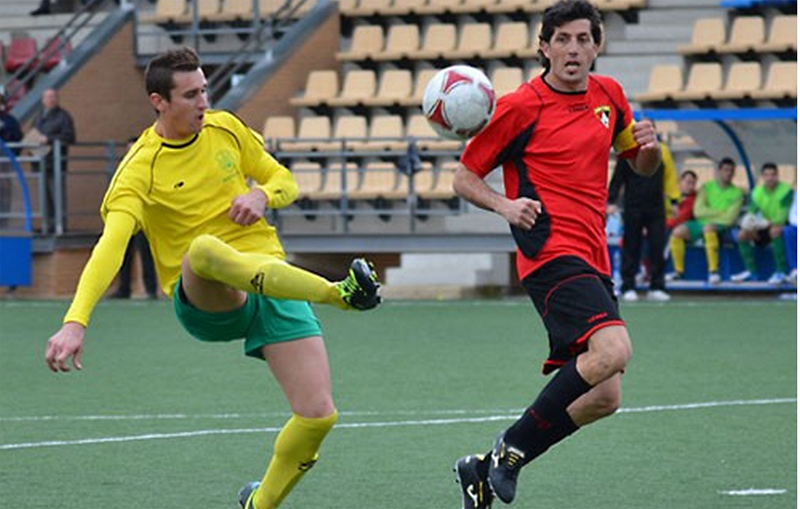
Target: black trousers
point(138, 243)
point(635, 222)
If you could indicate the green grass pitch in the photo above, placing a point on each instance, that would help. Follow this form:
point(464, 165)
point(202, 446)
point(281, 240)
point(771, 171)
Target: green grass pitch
point(159, 420)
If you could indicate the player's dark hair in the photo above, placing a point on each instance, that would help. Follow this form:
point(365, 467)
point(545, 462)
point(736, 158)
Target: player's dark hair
point(562, 13)
point(686, 173)
point(769, 166)
point(726, 161)
point(158, 77)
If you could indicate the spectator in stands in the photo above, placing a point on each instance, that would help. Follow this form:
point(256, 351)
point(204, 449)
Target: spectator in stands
point(11, 132)
point(763, 225)
point(645, 201)
point(187, 183)
point(54, 123)
point(553, 139)
point(716, 208)
point(137, 243)
point(685, 211)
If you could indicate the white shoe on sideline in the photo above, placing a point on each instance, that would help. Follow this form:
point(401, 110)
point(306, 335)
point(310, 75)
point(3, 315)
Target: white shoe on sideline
point(777, 278)
point(630, 296)
point(714, 279)
point(658, 296)
point(792, 277)
point(740, 277)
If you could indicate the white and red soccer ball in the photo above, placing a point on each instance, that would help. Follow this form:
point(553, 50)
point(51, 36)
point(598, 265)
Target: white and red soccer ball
point(458, 102)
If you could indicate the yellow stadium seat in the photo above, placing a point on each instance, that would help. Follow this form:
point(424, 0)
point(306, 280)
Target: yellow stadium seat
point(782, 36)
point(665, 81)
point(747, 33)
point(367, 41)
point(707, 35)
point(743, 79)
point(394, 88)
point(358, 85)
point(781, 82)
point(704, 80)
point(321, 87)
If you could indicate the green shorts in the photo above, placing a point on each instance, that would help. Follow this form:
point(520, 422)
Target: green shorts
point(260, 321)
point(695, 228)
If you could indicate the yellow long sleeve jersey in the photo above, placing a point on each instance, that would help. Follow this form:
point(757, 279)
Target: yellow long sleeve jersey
point(177, 190)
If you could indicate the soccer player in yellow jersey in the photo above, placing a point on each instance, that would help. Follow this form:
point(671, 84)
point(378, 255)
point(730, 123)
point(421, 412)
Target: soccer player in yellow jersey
point(185, 184)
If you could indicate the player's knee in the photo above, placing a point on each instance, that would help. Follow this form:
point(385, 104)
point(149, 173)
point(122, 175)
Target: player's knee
point(200, 255)
point(606, 404)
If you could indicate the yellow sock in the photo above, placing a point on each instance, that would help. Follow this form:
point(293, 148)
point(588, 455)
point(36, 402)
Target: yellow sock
point(711, 241)
point(295, 453)
point(213, 259)
point(677, 248)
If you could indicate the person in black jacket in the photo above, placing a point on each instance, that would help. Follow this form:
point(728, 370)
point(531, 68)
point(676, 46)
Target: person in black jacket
point(644, 209)
point(54, 123)
point(9, 132)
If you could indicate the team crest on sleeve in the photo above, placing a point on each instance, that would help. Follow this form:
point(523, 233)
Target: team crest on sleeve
point(603, 114)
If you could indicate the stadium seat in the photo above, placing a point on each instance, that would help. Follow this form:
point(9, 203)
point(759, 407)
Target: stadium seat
point(349, 129)
point(402, 8)
point(506, 79)
point(707, 35)
point(665, 81)
point(21, 51)
point(420, 82)
point(438, 7)
point(278, 127)
point(782, 36)
point(15, 90)
point(367, 41)
point(166, 11)
point(442, 188)
point(704, 79)
point(380, 180)
point(394, 88)
point(235, 10)
point(747, 33)
point(367, 8)
point(385, 133)
point(426, 138)
point(301, 9)
point(401, 41)
point(507, 6)
point(333, 186)
point(781, 82)
point(440, 38)
point(321, 87)
point(308, 175)
point(512, 40)
point(743, 79)
point(313, 134)
point(358, 85)
point(55, 52)
point(206, 9)
point(473, 41)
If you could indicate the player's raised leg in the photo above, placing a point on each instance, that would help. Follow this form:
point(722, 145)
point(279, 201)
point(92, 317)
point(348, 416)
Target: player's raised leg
point(212, 259)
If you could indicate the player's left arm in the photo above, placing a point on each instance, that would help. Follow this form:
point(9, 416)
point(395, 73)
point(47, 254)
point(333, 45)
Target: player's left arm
point(275, 186)
point(648, 156)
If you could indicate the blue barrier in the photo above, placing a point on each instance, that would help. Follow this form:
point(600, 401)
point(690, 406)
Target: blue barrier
point(16, 251)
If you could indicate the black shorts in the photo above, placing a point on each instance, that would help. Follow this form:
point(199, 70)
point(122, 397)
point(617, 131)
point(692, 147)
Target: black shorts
point(574, 301)
point(762, 237)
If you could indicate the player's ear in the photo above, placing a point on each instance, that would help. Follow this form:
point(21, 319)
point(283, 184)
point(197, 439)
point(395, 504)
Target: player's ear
point(158, 102)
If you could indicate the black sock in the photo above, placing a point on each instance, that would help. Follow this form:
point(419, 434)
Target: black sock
point(547, 422)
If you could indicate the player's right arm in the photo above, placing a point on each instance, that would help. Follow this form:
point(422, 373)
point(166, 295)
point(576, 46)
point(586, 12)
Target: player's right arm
point(99, 272)
point(521, 212)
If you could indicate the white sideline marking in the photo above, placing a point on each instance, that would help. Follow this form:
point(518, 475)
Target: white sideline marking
point(752, 491)
point(508, 415)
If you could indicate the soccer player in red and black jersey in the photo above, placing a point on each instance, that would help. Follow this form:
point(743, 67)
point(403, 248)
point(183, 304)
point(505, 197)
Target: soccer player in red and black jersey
point(552, 137)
